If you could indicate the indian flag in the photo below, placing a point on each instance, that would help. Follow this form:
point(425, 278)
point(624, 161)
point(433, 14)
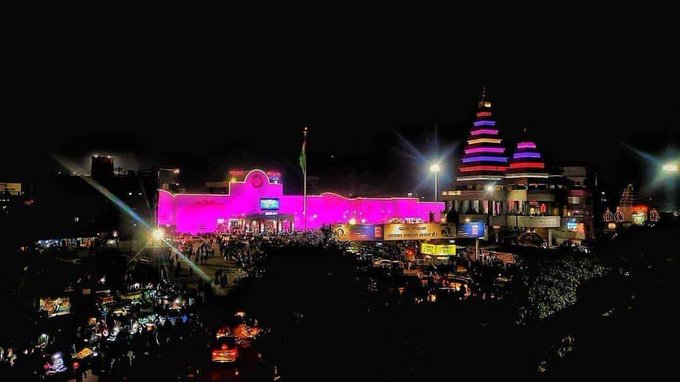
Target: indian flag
point(303, 157)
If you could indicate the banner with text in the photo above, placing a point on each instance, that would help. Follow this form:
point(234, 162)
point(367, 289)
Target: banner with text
point(427, 249)
point(423, 231)
point(366, 232)
point(438, 250)
point(470, 230)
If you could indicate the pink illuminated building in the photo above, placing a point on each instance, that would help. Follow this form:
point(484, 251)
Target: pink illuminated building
point(258, 205)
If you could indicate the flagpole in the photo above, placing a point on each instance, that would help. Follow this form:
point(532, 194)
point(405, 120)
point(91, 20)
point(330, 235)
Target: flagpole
point(304, 183)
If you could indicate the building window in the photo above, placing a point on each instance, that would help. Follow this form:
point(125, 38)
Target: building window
point(574, 200)
point(76, 219)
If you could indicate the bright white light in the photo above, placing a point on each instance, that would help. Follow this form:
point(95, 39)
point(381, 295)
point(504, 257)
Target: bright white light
point(435, 168)
point(158, 233)
point(176, 171)
point(489, 188)
point(671, 167)
point(352, 221)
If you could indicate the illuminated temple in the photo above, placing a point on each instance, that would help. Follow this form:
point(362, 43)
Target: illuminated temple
point(515, 192)
point(257, 204)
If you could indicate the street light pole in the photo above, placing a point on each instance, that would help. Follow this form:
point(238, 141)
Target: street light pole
point(436, 194)
point(156, 193)
point(435, 169)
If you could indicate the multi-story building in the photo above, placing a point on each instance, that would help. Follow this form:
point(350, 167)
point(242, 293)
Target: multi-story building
point(516, 193)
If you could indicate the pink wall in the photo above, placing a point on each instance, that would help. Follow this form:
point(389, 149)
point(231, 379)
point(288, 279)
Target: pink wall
point(192, 213)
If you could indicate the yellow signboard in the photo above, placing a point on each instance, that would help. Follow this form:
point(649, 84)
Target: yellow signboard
point(445, 249)
point(427, 249)
point(438, 250)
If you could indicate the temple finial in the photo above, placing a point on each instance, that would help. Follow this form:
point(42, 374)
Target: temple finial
point(484, 101)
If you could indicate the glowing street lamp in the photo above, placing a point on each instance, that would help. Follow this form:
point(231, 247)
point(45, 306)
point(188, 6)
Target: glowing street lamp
point(435, 169)
point(671, 167)
point(158, 233)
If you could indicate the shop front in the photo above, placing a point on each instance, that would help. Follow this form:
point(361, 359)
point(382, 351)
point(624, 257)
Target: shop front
point(269, 223)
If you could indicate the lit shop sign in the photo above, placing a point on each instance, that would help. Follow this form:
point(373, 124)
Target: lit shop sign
point(438, 250)
point(421, 231)
point(571, 226)
point(470, 230)
point(366, 232)
point(506, 258)
point(448, 249)
point(427, 249)
point(269, 204)
point(534, 221)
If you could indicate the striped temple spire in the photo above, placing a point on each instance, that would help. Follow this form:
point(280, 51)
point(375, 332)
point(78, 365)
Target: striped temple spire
point(484, 155)
point(526, 161)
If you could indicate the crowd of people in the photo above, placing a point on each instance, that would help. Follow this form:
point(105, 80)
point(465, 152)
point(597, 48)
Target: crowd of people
point(127, 331)
point(135, 326)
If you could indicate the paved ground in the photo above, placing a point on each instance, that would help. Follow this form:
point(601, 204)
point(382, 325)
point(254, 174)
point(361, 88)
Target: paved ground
point(214, 264)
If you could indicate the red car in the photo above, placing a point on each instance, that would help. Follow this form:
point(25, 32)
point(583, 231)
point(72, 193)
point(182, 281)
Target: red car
point(225, 350)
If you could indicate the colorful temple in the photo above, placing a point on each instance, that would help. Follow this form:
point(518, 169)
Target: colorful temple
point(484, 156)
point(518, 194)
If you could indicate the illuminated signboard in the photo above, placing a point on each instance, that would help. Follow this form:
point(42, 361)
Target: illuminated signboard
point(365, 232)
point(438, 250)
point(427, 249)
point(470, 230)
point(269, 204)
point(571, 226)
point(534, 221)
point(422, 231)
point(449, 249)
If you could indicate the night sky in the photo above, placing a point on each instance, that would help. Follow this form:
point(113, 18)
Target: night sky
point(207, 105)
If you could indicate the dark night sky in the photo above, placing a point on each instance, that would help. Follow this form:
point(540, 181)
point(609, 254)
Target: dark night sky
point(206, 105)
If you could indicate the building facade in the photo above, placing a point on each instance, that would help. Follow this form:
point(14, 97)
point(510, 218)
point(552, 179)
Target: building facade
point(257, 204)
